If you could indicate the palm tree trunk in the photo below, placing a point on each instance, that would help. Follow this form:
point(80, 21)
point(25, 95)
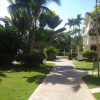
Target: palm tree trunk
point(32, 43)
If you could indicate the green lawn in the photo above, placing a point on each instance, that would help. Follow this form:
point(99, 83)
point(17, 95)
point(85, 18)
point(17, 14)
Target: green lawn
point(92, 81)
point(18, 83)
point(97, 95)
point(83, 65)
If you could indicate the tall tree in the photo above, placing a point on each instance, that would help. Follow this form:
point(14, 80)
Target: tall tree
point(62, 41)
point(79, 20)
point(28, 12)
point(70, 23)
point(75, 32)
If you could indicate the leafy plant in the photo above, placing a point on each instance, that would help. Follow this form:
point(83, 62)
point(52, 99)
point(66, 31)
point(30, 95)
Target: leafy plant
point(10, 40)
point(50, 52)
point(90, 55)
point(33, 60)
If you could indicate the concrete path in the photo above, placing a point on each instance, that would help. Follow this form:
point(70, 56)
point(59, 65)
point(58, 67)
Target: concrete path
point(63, 83)
point(95, 90)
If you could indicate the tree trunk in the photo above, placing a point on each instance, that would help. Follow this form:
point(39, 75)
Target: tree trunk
point(31, 38)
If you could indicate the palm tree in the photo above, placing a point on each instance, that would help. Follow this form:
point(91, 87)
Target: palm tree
point(74, 22)
point(79, 20)
point(28, 12)
point(70, 23)
point(79, 37)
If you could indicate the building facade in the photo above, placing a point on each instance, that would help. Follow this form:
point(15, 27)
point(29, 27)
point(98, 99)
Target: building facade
point(89, 40)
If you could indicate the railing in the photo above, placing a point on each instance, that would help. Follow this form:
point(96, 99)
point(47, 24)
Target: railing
point(93, 38)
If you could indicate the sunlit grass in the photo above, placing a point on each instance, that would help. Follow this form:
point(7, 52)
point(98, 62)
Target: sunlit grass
point(92, 81)
point(19, 83)
point(97, 95)
point(83, 65)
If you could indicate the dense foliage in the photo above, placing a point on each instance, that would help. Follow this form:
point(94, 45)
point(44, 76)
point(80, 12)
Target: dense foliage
point(10, 41)
point(62, 41)
point(27, 16)
point(34, 60)
point(90, 55)
point(50, 53)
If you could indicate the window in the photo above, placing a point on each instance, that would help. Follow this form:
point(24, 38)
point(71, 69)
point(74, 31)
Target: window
point(93, 48)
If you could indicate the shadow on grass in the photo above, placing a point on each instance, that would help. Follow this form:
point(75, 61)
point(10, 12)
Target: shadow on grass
point(37, 79)
point(2, 75)
point(0, 80)
point(20, 68)
point(60, 75)
point(43, 70)
point(94, 80)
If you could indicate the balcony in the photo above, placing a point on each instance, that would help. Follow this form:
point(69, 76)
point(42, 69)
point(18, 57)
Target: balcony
point(93, 39)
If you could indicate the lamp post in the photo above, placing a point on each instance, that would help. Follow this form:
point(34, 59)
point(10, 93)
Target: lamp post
point(97, 34)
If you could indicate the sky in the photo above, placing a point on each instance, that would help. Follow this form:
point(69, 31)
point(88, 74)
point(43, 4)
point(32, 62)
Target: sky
point(68, 9)
point(71, 8)
point(3, 8)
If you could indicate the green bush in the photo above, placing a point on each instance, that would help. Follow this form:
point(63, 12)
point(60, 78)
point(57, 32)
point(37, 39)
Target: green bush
point(5, 59)
point(33, 60)
point(50, 53)
point(90, 55)
point(10, 40)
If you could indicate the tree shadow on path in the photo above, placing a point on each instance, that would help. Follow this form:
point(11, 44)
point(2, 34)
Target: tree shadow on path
point(66, 75)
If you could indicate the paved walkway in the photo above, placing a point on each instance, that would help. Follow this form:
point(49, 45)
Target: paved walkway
point(63, 83)
point(95, 90)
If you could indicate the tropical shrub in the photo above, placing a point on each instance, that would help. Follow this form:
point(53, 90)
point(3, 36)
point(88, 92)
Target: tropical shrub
point(34, 60)
point(90, 55)
point(10, 41)
point(50, 53)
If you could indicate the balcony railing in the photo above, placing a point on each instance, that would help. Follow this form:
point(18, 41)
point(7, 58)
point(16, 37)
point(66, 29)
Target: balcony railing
point(93, 39)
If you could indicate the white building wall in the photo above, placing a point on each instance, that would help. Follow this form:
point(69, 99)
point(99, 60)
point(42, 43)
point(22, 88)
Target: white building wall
point(88, 40)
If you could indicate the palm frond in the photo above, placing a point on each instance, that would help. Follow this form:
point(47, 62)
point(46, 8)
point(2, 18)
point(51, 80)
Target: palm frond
point(60, 30)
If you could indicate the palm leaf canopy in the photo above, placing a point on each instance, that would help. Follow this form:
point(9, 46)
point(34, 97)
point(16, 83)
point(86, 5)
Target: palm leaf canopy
point(36, 2)
point(50, 19)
